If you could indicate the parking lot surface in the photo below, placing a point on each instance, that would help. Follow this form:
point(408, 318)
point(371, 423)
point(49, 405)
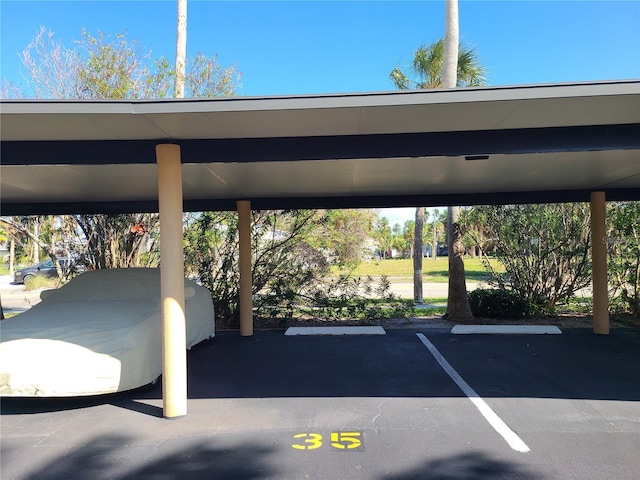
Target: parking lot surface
point(355, 407)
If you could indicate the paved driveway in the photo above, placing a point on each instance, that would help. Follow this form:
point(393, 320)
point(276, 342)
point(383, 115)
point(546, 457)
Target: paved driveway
point(380, 407)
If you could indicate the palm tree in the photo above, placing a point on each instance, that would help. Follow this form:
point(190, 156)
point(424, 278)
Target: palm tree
point(427, 64)
point(428, 67)
point(457, 299)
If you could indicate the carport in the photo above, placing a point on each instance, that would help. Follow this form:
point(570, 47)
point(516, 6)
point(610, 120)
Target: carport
point(496, 145)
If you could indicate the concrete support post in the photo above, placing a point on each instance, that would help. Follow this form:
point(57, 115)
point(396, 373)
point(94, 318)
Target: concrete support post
point(599, 264)
point(174, 337)
point(246, 282)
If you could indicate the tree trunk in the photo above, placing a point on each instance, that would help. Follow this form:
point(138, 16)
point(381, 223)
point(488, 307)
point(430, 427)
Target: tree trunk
point(181, 49)
point(451, 44)
point(35, 251)
point(434, 248)
point(458, 301)
point(417, 256)
point(18, 227)
point(12, 257)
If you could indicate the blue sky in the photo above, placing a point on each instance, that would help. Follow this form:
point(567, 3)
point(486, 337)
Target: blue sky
point(300, 47)
point(296, 47)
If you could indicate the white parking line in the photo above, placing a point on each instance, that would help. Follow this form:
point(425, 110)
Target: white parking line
point(514, 441)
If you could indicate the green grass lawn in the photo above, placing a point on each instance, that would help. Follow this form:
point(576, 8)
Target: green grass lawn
point(401, 269)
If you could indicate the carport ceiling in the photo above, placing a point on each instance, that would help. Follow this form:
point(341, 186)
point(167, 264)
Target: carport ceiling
point(530, 143)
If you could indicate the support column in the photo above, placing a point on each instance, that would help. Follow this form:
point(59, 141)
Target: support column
point(174, 337)
point(246, 282)
point(599, 264)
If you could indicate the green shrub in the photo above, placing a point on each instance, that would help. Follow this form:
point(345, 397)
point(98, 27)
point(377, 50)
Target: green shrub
point(498, 303)
point(36, 282)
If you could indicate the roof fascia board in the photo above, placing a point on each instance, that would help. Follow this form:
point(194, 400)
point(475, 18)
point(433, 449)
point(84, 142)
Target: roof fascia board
point(516, 141)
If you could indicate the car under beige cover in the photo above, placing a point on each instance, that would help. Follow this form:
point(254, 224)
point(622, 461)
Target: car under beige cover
point(100, 333)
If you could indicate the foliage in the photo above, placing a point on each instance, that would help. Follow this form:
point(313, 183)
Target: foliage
point(342, 235)
point(282, 263)
point(338, 298)
point(291, 276)
point(406, 237)
point(498, 303)
point(544, 249)
point(36, 234)
point(120, 241)
point(101, 66)
point(402, 238)
point(624, 256)
point(36, 282)
point(383, 236)
point(18, 230)
point(93, 241)
point(427, 67)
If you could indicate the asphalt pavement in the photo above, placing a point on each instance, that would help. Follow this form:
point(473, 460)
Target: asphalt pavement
point(411, 404)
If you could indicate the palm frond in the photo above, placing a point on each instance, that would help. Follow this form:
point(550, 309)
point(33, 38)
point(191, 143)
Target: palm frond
point(427, 64)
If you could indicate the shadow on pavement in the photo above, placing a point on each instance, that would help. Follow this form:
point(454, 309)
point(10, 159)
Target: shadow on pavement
point(209, 458)
point(201, 458)
point(467, 466)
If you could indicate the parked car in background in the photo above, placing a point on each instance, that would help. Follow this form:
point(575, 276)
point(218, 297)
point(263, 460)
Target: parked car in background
point(46, 268)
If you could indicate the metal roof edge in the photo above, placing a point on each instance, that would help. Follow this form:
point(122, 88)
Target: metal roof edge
point(331, 100)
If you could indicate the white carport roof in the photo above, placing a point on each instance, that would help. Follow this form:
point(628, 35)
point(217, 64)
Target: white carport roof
point(465, 146)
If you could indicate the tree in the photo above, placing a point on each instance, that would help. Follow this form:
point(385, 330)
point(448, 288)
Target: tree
point(624, 255)
point(451, 45)
point(283, 264)
point(408, 233)
point(384, 237)
point(544, 249)
point(417, 256)
point(457, 300)
point(45, 241)
point(4, 237)
point(438, 231)
point(181, 50)
point(427, 65)
point(106, 67)
point(102, 67)
point(120, 241)
point(342, 235)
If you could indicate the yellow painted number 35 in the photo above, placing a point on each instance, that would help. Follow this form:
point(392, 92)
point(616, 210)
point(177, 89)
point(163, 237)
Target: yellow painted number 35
point(339, 440)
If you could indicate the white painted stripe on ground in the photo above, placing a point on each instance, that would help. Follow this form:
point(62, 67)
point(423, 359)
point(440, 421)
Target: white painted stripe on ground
point(373, 330)
point(514, 441)
point(507, 329)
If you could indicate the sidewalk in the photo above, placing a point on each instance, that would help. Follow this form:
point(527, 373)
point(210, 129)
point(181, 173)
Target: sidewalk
point(14, 297)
